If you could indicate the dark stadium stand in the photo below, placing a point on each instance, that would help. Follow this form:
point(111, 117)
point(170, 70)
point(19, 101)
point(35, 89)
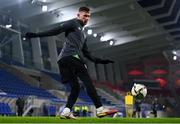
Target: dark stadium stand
point(11, 84)
point(51, 110)
point(5, 109)
point(55, 76)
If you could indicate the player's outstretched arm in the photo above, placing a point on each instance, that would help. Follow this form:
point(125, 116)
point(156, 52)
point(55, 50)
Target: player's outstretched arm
point(55, 31)
point(92, 58)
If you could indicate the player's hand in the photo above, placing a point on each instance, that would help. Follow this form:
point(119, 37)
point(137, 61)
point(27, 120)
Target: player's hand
point(107, 61)
point(29, 35)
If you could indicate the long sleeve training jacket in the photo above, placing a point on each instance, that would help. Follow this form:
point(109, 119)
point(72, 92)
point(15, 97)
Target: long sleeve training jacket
point(75, 37)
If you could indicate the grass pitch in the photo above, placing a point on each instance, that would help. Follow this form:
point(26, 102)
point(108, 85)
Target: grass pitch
point(86, 120)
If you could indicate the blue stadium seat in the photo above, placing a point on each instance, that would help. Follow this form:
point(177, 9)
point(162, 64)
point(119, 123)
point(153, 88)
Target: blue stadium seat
point(51, 110)
point(11, 84)
point(6, 110)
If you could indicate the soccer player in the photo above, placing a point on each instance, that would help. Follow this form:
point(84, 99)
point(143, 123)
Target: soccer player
point(71, 61)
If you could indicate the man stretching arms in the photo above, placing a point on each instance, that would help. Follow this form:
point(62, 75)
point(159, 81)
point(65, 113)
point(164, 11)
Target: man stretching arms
point(71, 61)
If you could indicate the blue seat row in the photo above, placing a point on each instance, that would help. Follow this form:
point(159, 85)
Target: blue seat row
point(5, 109)
point(11, 84)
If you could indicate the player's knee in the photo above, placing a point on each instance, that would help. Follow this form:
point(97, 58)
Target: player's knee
point(76, 87)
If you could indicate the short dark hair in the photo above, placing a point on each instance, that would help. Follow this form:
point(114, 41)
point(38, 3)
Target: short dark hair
point(86, 9)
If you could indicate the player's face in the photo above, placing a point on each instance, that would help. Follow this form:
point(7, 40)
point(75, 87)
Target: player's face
point(84, 16)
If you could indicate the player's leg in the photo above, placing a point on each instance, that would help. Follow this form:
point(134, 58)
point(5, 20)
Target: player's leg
point(75, 89)
point(68, 76)
point(85, 78)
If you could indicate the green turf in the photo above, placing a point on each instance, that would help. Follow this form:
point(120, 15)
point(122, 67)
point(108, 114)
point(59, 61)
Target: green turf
point(86, 120)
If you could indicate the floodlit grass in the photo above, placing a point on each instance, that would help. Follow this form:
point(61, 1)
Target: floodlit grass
point(86, 120)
